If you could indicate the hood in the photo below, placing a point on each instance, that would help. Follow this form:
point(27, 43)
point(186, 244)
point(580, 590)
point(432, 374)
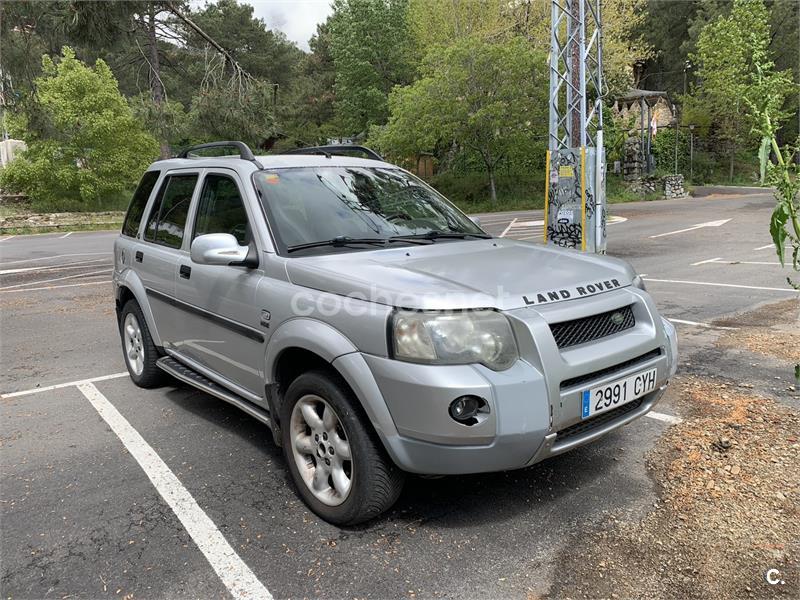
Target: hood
point(496, 273)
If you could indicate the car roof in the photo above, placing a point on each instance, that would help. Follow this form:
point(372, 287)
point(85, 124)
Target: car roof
point(270, 161)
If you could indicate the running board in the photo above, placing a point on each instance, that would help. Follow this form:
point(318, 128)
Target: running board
point(201, 382)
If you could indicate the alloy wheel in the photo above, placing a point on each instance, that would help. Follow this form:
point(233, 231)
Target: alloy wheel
point(134, 348)
point(321, 450)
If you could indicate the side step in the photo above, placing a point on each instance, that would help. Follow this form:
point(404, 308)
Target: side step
point(201, 382)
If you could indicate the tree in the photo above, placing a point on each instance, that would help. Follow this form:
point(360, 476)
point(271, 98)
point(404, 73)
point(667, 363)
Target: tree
point(84, 143)
point(440, 23)
point(482, 96)
point(264, 54)
point(306, 110)
point(370, 47)
point(729, 52)
point(436, 24)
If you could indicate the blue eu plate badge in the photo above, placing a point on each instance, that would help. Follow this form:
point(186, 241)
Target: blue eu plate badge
point(587, 395)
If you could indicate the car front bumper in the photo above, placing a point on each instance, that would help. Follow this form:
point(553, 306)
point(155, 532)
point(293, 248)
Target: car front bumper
point(535, 406)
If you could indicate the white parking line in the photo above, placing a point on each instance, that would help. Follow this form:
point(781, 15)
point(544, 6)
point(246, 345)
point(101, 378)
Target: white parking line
point(69, 233)
point(24, 260)
point(788, 247)
point(719, 261)
point(671, 419)
point(702, 262)
point(5, 239)
point(55, 287)
point(73, 265)
point(749, 262)
point(58, 386)
point(707, 325)
point(729, 285)
point(510, 225)
point(19, 285)
point(231, 569)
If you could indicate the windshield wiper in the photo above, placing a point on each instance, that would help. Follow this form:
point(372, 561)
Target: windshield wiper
point(436, 235)
point(340, 240)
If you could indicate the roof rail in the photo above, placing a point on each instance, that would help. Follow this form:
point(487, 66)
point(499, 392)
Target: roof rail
point(338, 150)
point(244, 150)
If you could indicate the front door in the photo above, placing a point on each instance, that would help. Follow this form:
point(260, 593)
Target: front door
point(221, 327)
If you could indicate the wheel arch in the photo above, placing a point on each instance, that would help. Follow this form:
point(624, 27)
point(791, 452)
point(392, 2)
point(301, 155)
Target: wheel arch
point(130, 287)
point(303, 344)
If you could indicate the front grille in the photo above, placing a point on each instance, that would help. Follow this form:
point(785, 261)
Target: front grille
point(597, 421)
point(568, 383)
point(580, 331)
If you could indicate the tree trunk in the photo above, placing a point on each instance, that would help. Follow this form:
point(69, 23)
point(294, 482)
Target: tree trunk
point(156, 86)
point(492, 188)
point(733, 155)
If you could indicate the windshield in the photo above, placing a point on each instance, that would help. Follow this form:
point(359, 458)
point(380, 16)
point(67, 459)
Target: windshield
point(319, 204)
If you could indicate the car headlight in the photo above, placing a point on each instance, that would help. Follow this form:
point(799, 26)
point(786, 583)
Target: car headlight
point(475, 336)
point(639, 283)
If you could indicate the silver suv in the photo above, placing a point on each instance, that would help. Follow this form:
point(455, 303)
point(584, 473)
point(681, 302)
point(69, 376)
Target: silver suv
point(375, 328)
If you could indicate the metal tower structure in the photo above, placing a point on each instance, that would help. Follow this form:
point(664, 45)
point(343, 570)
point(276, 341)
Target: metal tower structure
point(575, 198)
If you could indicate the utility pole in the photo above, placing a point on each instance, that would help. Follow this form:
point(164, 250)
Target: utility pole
point(575, 195)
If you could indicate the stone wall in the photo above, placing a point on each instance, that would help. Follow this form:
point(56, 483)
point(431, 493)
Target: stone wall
point(673, 186)
point(62, 220)
point(647, 185)
point(633, 167)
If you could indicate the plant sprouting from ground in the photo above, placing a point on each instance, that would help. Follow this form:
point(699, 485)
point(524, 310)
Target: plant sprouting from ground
point(779, 168)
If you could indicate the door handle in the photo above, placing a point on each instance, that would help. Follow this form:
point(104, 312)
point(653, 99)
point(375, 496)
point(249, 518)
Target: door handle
point(138, 256)
point(185, 271)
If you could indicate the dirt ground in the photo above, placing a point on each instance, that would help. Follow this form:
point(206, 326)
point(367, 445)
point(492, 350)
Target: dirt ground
point(728, 479)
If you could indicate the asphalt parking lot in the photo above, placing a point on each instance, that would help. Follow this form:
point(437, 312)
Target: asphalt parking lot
point(81, 517)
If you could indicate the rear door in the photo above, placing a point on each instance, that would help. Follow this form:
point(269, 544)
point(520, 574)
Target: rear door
point(157, 255)
point(221, 328)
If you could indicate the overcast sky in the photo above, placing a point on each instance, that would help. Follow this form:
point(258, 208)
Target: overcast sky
point(296, 18)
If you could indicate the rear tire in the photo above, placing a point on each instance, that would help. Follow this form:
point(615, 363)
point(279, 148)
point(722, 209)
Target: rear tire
point(334, 456)
point(138, 349)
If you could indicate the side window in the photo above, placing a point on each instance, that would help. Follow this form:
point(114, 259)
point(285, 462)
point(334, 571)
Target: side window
point(221, 210)
point(136, 208)
point(168, 217)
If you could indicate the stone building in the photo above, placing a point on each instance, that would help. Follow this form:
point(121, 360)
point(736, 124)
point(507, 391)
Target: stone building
point(643, 112)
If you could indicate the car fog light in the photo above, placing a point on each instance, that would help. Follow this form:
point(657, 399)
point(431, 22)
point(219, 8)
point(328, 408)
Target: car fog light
point(464, 409)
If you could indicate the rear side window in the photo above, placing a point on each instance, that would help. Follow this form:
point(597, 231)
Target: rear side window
point(168, 217)
point(136, 208)
point(221, 210)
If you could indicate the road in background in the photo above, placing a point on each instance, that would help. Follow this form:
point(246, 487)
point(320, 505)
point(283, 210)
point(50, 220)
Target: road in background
point(83, 518)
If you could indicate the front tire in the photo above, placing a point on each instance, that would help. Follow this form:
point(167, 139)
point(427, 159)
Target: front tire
point(335, 458)
point(138, 348)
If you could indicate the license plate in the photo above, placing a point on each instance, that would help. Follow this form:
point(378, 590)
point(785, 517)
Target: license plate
point(607, 397)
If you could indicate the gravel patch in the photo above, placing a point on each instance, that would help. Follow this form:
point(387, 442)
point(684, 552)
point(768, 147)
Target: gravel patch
point(729, 509)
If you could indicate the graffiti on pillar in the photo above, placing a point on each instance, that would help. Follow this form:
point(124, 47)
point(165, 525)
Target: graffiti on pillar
point(564, 227)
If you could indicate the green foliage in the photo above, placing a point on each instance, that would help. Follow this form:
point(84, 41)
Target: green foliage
point(470, 190)
point(306, 112)
point(476, 95)
point(784, 173)
point(167, 120)
point(615, 132)
point(235, 110)
point(370, 47)
point(733, 52)
point(264, 54)
point(87, 147)
point(664, 151)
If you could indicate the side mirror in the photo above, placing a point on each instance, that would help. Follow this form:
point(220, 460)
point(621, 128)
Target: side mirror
point(476, 220)
point(217, 249)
